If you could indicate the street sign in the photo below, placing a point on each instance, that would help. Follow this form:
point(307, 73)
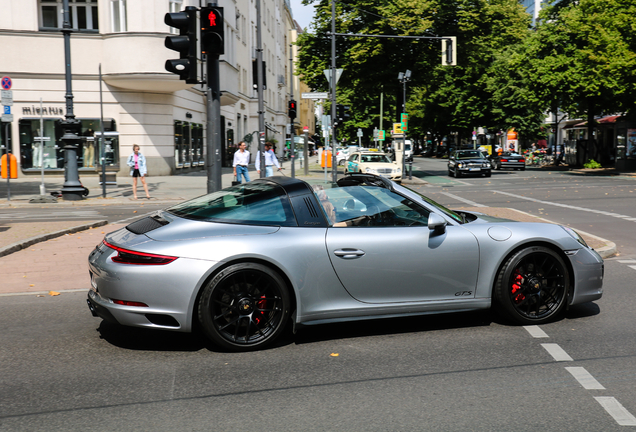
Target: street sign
point(360, 134)
point(6, 110)
point(397, 128)
point(7, 97)
point(7, 118)
point(375, 134)
point(43, 138)
point(6, 83)
point(405, 122)
point(381, 135)
point(328, 75)
point(316, 95)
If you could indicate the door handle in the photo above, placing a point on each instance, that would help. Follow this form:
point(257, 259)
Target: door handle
point(347, 253)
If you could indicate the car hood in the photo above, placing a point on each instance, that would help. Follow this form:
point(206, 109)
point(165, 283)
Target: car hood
point(473, 160)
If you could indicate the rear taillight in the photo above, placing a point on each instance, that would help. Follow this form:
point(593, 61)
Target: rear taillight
point(504, 160)
point(126, 256)
point(522, 160)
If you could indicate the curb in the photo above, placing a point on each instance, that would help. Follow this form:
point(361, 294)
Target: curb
point(7, 250)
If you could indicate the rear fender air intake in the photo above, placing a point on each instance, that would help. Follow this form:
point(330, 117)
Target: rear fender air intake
point(146, 224)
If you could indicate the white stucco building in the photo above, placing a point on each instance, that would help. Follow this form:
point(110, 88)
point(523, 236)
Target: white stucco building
point(142, 102)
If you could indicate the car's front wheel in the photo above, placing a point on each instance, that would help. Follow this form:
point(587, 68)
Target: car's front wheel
point(532, 285)
point(244, 307)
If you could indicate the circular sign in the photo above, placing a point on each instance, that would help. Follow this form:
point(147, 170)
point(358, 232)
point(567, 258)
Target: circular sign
point(6, 83)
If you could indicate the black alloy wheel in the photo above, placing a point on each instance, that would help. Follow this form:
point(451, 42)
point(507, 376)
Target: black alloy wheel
point(532, 286)
point(245, 307)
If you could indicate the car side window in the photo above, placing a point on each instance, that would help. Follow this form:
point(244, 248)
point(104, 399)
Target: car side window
point(369, 206)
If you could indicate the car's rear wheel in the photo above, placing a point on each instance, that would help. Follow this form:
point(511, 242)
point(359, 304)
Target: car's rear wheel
point(244, 307)
point(532, 285)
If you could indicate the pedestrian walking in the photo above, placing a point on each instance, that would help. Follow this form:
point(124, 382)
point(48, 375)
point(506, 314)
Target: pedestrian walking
point(271, 160)
point(137, 164)
point(241, 161)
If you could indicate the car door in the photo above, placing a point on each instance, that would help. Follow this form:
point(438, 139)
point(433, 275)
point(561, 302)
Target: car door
point(352, 163)
point(403, 261)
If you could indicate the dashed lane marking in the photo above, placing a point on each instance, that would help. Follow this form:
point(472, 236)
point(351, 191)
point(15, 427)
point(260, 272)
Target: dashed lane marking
point(557, 352)
point(585, 378)
point(616, 410)
point(536, 332)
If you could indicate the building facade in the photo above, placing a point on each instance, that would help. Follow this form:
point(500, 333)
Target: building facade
point(142, 103)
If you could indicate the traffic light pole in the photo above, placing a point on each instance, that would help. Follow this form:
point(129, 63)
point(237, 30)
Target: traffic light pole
point(213, 138)
point(334, 165)
point(259, 89)
point(291, 120)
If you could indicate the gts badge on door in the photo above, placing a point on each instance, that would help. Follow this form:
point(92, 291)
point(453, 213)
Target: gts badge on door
point(463, 293)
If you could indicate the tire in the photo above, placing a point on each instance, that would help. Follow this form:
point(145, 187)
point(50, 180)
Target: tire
point(522, 169)
point(458, 174)
point(450, 173)
point(532, 286)
point(488, 174)
point(245, 307)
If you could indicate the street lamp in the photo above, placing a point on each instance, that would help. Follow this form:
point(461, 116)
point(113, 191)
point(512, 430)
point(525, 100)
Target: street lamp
point(404, 77)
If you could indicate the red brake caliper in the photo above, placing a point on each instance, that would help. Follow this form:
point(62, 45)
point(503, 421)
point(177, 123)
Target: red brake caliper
point(516, 286)
point(261, 304)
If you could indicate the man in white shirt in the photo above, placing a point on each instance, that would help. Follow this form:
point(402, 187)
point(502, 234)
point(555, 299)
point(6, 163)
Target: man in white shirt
point(241, 161)
point(270, 160)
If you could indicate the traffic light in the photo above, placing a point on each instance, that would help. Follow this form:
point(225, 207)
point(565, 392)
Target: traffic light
point(212, 31)
point(342, 112)
point(292, 109)
point(185, 44)
point(449, 51)
point(255, 74)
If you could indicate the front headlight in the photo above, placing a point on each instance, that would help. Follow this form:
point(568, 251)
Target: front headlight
point(575, 235)
point(485, 165)
point(370, 170)
point(399, 170)
point(461, 165)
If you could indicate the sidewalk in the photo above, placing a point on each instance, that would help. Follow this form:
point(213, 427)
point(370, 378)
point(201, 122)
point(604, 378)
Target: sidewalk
point(51, 257)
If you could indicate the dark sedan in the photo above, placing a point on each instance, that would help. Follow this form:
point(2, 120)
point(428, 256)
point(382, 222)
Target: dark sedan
point(509, 160)
point(467, 162)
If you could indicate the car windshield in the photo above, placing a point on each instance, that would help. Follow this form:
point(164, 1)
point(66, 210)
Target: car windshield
point(254, 203)
point(470, 154)
point(375, 158)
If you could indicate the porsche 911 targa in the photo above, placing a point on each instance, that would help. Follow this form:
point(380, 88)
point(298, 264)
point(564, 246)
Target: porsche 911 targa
point(243, 262)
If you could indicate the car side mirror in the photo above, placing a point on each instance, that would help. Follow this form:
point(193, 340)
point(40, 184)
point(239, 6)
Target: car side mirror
point(436, 223)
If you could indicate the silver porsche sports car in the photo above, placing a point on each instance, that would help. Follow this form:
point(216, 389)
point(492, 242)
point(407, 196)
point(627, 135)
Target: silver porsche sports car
point(242, 262)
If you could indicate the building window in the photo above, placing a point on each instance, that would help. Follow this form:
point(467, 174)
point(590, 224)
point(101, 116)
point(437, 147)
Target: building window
point(174, 6)
point(188, 144)
point(50, 153)
point(83, 15)
point(118, 15)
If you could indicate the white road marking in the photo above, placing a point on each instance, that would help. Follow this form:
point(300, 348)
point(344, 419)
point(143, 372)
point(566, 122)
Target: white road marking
point(632, 266)
point(80, 214)
point(627, 261)
point(616, 410)
point(606, 213)
point(470, 203)
point(557, 352)
point(536, 332)
point(585, 378)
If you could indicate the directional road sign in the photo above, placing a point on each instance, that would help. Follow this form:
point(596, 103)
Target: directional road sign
point(315, 95)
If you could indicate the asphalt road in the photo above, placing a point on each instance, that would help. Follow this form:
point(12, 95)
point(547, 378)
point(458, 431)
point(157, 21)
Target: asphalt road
point(61, 369)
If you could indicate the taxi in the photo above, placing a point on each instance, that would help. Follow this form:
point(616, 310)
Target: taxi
point(373, 162)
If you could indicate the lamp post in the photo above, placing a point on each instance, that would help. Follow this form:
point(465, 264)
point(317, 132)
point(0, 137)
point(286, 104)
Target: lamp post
point(72, 190)
point(404, 77)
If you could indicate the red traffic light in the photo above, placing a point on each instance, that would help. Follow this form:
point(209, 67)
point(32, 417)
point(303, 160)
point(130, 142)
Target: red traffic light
point(212, 30)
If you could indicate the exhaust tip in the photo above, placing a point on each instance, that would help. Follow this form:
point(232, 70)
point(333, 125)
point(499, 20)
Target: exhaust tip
point(91, 308)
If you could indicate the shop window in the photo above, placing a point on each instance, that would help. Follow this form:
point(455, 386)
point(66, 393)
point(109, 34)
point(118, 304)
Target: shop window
point(178, 143)
point(197, 145)
point(83, 15)
point(49, 152)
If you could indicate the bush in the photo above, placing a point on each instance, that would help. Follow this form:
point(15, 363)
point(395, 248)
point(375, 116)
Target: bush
point(592, 164)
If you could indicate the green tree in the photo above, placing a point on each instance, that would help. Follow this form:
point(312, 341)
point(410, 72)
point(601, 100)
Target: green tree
point(582, 59)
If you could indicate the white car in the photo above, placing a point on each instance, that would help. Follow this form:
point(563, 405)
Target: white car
point(374, 162)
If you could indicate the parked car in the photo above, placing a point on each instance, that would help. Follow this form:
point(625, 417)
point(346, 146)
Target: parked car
point(509, 160)
point(374, 162)
point(242, 262)
point(342, 154)
point(468, 162)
